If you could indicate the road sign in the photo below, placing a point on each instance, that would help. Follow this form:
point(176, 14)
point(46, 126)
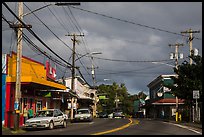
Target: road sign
point(196, 94)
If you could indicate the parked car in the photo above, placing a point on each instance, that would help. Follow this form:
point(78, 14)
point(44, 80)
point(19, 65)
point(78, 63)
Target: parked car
point(110, 115)
point(83, 114)
point(48, 118)
point(103, 115)
point(118, 115)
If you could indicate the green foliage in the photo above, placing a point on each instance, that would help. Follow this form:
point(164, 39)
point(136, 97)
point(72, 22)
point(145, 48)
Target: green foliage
point(125, 99)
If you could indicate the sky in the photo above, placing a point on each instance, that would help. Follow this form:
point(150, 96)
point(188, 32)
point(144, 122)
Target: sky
point(131, 37)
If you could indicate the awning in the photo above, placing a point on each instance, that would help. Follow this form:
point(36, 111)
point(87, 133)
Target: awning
point(168, 101)
point(29, 79)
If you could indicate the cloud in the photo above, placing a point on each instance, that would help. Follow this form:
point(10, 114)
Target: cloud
point(116, 39)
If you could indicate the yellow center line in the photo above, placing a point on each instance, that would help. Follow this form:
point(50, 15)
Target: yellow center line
point(116, 129)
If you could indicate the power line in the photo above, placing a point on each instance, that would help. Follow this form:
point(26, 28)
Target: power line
point(33, 33)
point(131, 61)
point(48, 28)
point(130, 22)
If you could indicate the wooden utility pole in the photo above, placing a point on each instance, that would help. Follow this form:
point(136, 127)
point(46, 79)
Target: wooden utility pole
point(73, 72)
point(190, 31)
point(176, 56)
point(18, 68)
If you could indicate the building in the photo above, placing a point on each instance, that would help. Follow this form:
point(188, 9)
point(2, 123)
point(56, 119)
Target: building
point(162, 103)
point(3, 95)
point(85, 94)
point(37, 81)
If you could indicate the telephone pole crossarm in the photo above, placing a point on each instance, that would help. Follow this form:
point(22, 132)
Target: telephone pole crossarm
point(190, 32)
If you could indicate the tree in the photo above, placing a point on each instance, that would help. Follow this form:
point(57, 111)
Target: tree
point(126, 100)
point(189, 78)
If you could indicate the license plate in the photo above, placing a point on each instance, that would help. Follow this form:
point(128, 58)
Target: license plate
point(34, 126)
point(81, 118)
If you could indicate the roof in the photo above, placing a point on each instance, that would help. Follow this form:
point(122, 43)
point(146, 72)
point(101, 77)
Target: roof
point(159, 78)
point(168, 101)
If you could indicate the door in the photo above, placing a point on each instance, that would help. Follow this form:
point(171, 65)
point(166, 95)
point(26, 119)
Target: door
point(38, 105)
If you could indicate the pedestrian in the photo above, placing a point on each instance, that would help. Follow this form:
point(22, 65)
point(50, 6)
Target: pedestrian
point(30, 112)
point(25, 113)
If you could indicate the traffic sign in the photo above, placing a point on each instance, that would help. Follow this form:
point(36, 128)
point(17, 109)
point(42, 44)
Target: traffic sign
point(196, 94)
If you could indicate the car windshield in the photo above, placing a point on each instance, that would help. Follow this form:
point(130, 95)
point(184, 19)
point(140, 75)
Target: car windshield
point(82, 111)
point(46, 113)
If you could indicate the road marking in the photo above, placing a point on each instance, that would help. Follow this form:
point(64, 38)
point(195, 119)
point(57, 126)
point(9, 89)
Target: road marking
point(185, 128)
point(116, 129)
point(84, 123)
point(137, 122)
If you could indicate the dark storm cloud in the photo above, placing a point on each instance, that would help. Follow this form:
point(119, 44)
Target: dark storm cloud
point(115, 39)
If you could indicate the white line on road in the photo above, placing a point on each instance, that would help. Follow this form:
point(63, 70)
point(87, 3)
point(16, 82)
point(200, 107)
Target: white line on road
point(84, 123)
point(185, 128)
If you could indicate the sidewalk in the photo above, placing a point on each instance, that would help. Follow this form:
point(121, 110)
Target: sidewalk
point(183, 123)
point(7, 131)
point(188, 124)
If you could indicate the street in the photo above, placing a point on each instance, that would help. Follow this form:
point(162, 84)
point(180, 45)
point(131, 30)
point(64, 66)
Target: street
point(117, 127)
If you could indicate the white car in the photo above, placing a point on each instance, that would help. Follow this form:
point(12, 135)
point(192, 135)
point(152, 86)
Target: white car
point(110, 115)
point(83, 114)
point(48, 118)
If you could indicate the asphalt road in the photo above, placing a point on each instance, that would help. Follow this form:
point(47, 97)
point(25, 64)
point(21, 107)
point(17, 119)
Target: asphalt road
point(117, 127)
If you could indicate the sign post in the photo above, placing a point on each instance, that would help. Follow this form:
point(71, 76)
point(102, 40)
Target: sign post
point(196, 96)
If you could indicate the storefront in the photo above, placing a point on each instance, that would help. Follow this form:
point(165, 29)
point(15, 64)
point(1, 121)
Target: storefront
point(34, 78)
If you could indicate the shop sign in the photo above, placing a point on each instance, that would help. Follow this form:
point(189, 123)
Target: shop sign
point(50, 71)
point(47, 94)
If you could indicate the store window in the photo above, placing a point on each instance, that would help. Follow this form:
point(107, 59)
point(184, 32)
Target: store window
point(39, 105)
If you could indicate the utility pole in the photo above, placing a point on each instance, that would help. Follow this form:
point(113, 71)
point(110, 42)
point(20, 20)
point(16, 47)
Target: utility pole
point(17, 95)
point(94, 82)
point(18, 67)
point(176, 56)
point(190, 31)
point(116, 101)
point(93, 72)
point(73, 72)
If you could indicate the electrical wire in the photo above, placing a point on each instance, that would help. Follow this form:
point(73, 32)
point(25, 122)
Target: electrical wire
point(130, 22)
point(33, 33)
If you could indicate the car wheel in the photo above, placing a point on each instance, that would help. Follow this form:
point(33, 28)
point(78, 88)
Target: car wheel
point(64, 123)
point(51, 125)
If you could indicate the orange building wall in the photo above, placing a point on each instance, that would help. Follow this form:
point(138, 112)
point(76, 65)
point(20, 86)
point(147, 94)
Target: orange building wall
point(29, 68)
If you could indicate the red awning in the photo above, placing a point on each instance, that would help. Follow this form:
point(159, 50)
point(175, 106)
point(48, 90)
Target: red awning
point(168, 101)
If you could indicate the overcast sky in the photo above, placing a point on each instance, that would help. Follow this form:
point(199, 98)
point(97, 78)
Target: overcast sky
point(128, 34)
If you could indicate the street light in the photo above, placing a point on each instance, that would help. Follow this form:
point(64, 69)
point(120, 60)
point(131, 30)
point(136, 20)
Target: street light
point(163, 63)
point(92, 53)
point(57, 4)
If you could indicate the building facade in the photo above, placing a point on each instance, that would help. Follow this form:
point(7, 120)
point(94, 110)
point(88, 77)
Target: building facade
point(37, 81)
point(85, 94)
point(162, 103)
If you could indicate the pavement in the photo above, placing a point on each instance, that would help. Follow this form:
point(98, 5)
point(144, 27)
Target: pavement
point(196, 126)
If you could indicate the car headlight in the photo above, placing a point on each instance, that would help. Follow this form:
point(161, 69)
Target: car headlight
point(44, 122)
